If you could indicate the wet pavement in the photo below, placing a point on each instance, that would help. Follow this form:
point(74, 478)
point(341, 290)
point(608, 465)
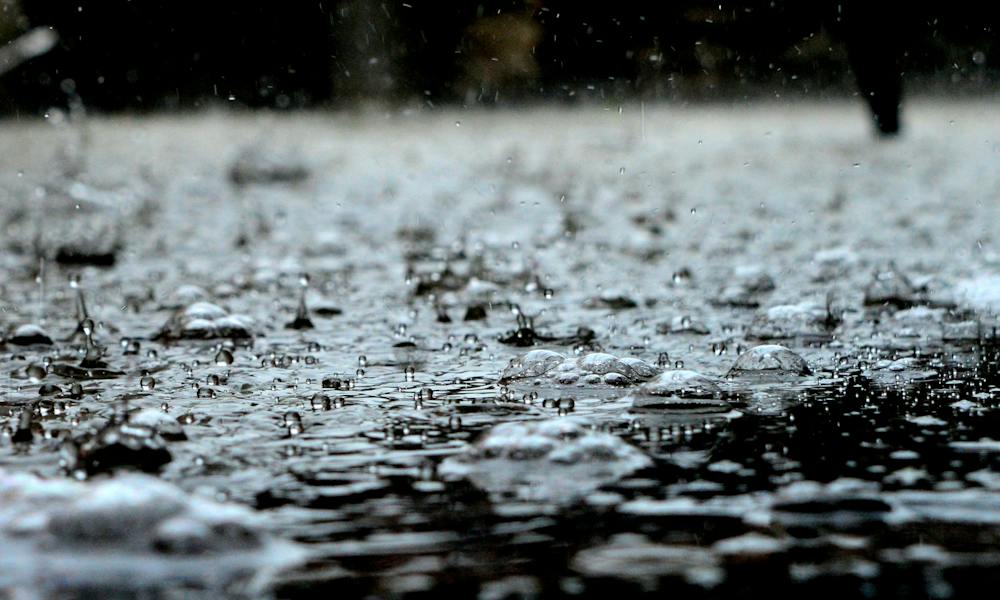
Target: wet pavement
point(556, 352)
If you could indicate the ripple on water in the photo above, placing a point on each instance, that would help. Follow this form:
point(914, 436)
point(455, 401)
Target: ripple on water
point(553, 461)
point(594, 368)
point(132, 530)
point(634, 557)
point(204, 320)
point(680, 389)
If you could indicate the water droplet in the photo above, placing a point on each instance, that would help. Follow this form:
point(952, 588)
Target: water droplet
point(49, 389)
point(224, 357)
point(320, 401)
point(293, 422)
point(36, 372)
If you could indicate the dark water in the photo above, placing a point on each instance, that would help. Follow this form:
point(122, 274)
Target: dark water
point(335, 322)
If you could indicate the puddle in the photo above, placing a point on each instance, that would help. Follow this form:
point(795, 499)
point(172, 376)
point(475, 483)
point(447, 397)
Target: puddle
point(416, 358)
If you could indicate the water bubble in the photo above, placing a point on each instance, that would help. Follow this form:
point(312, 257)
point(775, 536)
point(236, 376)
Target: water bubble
point(147, 383)
point(320, 401)
point(224, 357)
point(681, 277)
point(293, 422)
point(36, 372)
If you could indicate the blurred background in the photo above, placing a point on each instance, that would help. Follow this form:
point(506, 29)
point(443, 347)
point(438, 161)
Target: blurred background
point(156, 54)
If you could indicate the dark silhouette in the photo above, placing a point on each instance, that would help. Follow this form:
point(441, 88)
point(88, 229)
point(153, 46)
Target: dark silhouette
point(874, 35)
point(122, 54)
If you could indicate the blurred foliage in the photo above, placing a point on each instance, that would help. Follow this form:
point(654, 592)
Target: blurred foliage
point(12, 21)
point(158, 53)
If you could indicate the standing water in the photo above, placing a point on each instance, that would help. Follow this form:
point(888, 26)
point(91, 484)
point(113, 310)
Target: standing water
point(543, 353)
